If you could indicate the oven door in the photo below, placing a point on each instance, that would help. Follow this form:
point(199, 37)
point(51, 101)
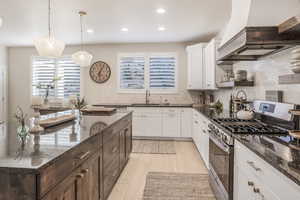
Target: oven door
point(221, 168)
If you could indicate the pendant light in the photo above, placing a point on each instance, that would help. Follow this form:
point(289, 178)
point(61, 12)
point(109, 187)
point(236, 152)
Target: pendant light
point(48, 46)
point(82, 58)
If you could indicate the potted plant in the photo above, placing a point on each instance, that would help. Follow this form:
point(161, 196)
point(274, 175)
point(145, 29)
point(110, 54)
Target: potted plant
point(22, 129)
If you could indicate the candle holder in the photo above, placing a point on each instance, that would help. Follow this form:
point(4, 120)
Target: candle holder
point(36, 129)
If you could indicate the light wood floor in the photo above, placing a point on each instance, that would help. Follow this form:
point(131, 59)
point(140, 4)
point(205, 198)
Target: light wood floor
point(131, 183)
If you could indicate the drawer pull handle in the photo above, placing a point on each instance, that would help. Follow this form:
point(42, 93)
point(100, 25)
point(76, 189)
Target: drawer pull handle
point(83, 155)
point(115, 150)
point(204, 131)
point(115, 173)
point(79, 176)
point(250, 183)
point(196, 122)
point(253, 166)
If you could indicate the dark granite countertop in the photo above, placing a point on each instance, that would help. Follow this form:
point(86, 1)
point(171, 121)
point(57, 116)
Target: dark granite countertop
point(120, 105)
point(53, 143)
point(281, 152)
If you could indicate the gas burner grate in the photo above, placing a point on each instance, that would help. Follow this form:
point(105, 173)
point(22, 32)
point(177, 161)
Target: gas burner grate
point(237, 126)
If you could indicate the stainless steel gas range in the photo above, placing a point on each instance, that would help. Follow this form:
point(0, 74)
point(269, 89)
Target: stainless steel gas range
point(270, 119)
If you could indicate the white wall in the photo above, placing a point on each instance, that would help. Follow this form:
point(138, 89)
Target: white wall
point(3, 93)
point(266, 73)
point(20, 74)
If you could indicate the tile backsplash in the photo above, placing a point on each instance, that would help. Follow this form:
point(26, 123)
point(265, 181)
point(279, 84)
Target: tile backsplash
point(266, 71)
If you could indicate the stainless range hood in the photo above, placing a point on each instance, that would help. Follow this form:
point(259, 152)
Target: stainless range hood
point(253, 30)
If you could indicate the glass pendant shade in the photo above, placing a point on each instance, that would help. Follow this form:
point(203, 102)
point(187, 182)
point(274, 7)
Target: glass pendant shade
point(82, 58)
point(49, 47)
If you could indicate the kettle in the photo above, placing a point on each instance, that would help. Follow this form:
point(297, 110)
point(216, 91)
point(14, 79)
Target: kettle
point(245, 114)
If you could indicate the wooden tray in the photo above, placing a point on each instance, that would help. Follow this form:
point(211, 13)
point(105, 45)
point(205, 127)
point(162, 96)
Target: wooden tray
point(98, 111)
point(295, 112)
point(295, 134)
point(46, 123)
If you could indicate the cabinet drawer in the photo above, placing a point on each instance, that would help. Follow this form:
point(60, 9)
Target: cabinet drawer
point(111, 150)
point(111, 174)
point(63, 167)
point(267, 174)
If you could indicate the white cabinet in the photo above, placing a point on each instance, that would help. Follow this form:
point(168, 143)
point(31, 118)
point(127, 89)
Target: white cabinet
point(161, 122)
point(171, 123)
point(256, 179)
point(202, 62)
point(186, 122)
point(195, 56)
point(210, 60)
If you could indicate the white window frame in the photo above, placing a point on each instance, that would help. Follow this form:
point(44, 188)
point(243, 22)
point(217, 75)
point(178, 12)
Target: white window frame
point(64, 56)
point(147, 73)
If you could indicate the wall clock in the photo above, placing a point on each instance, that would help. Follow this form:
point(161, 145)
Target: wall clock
point(100, 72)
point(97, 128)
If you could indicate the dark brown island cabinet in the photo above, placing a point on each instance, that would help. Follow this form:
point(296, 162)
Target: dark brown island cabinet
point(88, 171)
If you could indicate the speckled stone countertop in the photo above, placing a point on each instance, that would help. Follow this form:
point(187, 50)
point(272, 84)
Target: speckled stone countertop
point(281, 152)
point(120, 105)
point(53, 143)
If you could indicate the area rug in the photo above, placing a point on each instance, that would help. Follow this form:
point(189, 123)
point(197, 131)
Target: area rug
point(177, 186)
point(153, 147)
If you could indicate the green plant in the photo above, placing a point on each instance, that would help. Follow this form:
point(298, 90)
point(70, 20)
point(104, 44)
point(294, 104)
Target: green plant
point(80, 103)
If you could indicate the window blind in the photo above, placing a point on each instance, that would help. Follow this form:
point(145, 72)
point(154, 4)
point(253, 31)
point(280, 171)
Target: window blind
point(162, 72)
point(132, 70)
point(44, 70)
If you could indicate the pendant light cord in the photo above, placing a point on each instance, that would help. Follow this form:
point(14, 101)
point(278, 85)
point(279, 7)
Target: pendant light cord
point(81, 31)
point(49, 18)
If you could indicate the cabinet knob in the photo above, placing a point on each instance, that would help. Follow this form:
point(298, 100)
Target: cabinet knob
point(256, 190)
point(84, 171)
point(250, 183)
point(251, 163)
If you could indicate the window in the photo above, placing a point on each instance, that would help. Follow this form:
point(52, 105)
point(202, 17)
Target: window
point(155, 72)
point(45, 70)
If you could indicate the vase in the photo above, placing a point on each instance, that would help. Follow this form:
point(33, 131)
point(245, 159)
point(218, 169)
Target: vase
point(23, 132)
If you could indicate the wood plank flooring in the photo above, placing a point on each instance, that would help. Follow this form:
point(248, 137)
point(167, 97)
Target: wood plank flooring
point(131, 183)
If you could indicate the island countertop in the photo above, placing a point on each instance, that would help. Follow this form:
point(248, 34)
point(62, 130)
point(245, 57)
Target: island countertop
point(53, 143)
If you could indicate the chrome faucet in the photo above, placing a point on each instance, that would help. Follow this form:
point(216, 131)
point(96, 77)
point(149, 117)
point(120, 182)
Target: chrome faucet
point(147, 96)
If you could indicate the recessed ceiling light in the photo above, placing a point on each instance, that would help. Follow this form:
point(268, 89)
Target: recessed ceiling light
point(161, 28)
point(124, 29)
point(91, 31)
point(161, 11)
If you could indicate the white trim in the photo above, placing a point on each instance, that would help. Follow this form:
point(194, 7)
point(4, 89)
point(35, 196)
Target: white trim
point(147, 74)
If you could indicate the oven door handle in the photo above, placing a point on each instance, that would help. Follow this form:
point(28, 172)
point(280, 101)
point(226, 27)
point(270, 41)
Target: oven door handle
point(221, 145)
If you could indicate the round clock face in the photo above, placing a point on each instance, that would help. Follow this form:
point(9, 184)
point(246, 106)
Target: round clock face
point(97, 128)
point(100, 72)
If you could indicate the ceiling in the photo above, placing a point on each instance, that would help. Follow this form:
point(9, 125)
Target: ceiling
point(185, 20)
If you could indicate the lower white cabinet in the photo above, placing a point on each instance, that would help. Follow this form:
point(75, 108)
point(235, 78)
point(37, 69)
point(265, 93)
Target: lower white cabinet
point(171, 123)
point(201, 136)
point(256, 179)
point(162, 122)
point(148, 125)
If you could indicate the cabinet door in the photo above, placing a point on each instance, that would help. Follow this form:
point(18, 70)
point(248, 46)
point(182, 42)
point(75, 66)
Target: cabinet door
point(206, 148)
point(147, 125)
point(128, 141)
point(89, 183)
point(195, 67)
point(122, 148)
point(67, 189)
point(242, 186)
point(186, 123)
point(171, 123)
point(210, 65)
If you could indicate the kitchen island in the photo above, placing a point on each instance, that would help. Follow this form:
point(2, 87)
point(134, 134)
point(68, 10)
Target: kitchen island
point(79, 160)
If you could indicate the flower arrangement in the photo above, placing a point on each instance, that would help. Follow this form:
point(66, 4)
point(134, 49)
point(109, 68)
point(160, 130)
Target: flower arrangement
point(48, 86)
point(22, 130)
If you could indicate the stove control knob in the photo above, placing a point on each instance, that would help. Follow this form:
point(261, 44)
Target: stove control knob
point(225, 138)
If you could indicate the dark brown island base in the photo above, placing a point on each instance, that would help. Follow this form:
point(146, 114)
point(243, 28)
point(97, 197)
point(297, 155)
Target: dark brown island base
point(81, 160)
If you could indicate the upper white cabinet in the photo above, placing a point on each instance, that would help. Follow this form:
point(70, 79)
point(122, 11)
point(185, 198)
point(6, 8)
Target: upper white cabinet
point(210, 60)
point(195, 56)
point(202, 66)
